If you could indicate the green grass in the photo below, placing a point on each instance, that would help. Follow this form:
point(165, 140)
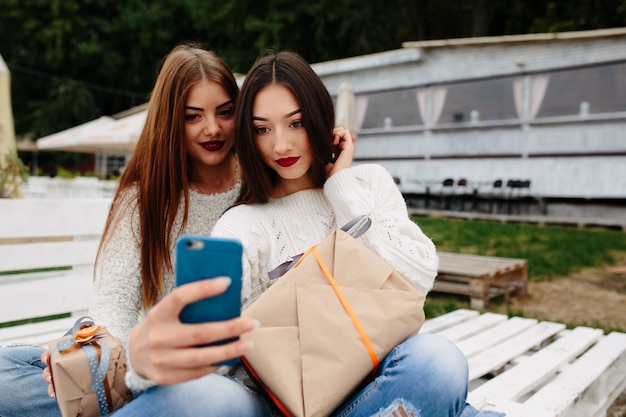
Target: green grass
point(551, 251)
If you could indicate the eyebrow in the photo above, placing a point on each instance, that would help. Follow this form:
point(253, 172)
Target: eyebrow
point(229, 102)
point(288, 115)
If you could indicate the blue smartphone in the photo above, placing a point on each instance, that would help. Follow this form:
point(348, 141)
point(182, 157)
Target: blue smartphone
point(203, 257)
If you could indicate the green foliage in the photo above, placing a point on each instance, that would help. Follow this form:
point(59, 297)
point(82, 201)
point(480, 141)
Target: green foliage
point(74, 60)
point(12, 173)
point(551, 251)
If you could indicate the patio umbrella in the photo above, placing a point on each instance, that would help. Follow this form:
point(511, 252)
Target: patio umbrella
point(103, 135)
point(7, 129)
point(75, 139)
point(120, 136)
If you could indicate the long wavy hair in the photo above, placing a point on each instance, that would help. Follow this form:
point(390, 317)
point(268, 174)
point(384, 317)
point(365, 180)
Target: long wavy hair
point(159, 165)
point(318, 115)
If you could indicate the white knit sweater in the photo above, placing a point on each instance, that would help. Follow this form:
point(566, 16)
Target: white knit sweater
point(271, 233)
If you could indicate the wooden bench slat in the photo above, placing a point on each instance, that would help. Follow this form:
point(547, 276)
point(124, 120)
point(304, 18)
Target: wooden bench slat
point(26, 256)
point(447, 320)
point(49, 217)
point(472, 326)
point(490, 337)
point(496, 357)
point(64, 292)
point(583, 383)
point(538, 368)
point(36, 333)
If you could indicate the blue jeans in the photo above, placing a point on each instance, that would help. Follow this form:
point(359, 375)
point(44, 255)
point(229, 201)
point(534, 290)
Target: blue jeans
point(23, 392)
point(426, 376)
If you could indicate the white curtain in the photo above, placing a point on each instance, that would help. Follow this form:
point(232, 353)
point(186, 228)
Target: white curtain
point(361, 109)
point(431, 101)
point(528, 93)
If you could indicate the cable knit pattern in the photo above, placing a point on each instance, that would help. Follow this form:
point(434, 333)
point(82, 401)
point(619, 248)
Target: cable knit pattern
point(271, 233)
point(117, 302)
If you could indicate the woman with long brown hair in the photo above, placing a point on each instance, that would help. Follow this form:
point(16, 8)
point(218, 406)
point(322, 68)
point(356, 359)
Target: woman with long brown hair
point(182, 176)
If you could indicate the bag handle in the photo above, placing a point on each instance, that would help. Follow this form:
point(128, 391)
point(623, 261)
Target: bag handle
point(355, 228)
point(344, 302)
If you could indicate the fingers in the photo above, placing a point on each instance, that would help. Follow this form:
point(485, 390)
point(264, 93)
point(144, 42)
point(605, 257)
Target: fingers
point(174, 302)
point(47, 376)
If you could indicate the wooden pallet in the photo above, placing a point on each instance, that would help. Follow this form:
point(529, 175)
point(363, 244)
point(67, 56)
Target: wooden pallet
point(481, 277)
point(524, 367)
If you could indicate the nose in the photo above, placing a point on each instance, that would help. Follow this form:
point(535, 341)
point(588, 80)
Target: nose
point(282, 144)
point(212, 127)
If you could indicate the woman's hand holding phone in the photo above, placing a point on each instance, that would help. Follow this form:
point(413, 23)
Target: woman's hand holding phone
point(164, 350)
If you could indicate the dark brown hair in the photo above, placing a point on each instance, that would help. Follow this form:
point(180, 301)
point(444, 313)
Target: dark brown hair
point(158, 167)
point(318, 115)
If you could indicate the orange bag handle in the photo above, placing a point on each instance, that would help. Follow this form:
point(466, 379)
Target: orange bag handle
point(346, 305)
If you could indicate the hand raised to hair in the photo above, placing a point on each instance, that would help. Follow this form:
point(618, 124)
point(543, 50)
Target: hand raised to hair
point(342, 140)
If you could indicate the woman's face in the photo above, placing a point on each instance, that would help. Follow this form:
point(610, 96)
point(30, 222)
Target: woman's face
point(281, 138)
point(209, 124)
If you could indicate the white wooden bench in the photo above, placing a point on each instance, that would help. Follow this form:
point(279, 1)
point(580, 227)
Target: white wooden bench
point(528, 368)
point(518, 365)
point(47, 253)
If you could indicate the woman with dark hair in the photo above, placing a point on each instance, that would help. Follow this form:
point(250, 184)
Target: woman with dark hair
point(183, 175)
point(299, 186)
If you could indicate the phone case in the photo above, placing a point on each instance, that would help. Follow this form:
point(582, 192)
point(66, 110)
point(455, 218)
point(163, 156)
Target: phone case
point(203, 257)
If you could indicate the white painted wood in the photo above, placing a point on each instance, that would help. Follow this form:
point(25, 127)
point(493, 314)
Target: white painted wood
point(67, 292)
point(584, 383)
point(36, 333)
point(513, 409)
point(538, 368)
point(450, 319)
point(472, 326)
point(35, 218)
point(48, 254)
point(494, 335)
point(509, 350)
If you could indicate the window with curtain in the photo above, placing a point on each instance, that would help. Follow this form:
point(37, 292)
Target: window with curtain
point(488, 99)
point(602, 88)
point(398, 107)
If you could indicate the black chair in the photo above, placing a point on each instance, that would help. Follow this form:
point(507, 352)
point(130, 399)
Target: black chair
point(460, 194)
point(446, 194)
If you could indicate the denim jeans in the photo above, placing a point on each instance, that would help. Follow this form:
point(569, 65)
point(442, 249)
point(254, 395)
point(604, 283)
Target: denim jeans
point(23, 392)
point(425, 376)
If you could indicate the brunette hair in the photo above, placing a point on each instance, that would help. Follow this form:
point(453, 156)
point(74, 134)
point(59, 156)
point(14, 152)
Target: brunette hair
point(318, 116)
point(158, 167)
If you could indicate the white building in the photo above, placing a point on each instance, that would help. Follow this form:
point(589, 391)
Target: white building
point(547, 108)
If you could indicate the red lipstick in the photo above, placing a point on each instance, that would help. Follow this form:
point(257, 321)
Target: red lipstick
point(287, 162)
point(212, 146)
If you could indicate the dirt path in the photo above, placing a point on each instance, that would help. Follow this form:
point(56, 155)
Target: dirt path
point(593, 297)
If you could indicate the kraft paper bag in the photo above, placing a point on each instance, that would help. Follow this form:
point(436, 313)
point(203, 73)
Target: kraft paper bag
point(73, 374)
point(309, 355)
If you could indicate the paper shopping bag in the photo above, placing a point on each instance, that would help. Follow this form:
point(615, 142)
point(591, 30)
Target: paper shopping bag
point(88, 369)
point(322, 332)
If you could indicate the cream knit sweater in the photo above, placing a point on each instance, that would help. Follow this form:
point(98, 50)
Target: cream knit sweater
point(271, 233)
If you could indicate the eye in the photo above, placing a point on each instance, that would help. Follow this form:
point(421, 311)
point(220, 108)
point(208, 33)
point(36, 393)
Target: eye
point(297, 124)
point(225, 112)
point(261, 130)
point(191, 117)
